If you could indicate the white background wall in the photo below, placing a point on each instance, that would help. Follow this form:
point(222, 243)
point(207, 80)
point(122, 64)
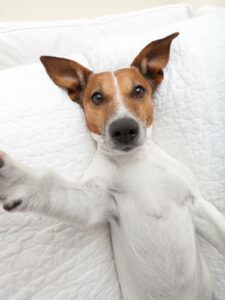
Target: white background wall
point(21, 10)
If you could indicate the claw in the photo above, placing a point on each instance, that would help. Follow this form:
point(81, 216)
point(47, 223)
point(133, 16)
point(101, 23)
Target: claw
point(2, 162)
point(10, 206)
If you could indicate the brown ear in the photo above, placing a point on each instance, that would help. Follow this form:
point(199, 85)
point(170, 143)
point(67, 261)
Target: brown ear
point(153, 58)
point(67, 74)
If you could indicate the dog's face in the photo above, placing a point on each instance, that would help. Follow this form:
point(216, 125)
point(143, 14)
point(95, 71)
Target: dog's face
point(117, 105)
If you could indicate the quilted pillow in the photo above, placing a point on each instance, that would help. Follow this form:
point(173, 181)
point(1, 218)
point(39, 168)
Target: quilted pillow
point(17, 39)
point(189, 105)
point(42, 258)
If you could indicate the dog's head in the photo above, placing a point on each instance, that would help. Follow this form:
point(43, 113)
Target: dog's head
point(117, 105)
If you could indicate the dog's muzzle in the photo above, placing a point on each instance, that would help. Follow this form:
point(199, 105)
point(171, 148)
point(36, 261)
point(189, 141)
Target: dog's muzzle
point(124, 133)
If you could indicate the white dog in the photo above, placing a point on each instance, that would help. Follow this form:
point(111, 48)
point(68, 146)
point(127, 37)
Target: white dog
point(151, 200)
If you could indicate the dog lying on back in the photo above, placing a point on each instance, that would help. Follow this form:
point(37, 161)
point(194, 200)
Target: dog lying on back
point(151, 200)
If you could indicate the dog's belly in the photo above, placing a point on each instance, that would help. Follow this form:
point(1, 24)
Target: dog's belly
point(158, 260)
point(154, 241)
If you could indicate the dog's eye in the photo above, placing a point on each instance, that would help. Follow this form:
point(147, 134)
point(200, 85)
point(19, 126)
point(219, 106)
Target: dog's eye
point(139, 92)
point(97, 98)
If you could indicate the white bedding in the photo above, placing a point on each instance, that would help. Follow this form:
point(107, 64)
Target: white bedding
point(41, 258)
point(23, 42)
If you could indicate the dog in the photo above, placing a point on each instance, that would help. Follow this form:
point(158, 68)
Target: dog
point(151, 200)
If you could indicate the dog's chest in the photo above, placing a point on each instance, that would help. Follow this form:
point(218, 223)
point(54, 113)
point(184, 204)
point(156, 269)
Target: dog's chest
point(153, 239)
point(151, 189)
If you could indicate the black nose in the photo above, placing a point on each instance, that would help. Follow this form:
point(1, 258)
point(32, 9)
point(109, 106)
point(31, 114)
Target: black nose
point(124, 130)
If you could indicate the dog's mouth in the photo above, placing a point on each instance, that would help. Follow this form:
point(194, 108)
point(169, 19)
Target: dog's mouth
point(128, 148)
point(124, 148)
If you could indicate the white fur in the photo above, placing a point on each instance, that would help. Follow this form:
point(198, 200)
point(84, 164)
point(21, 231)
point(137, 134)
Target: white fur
point(122, 110)
point(119, 97)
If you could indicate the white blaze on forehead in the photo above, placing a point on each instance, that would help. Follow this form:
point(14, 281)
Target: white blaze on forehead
point(119, 97)
point(122, 110)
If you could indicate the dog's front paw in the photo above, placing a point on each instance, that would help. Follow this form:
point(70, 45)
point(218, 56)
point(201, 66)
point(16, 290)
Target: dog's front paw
point(12, 204)
point(13, 184)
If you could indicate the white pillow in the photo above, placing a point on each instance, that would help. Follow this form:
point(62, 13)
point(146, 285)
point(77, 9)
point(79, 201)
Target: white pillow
point(190, 103)
point(23, 42)
point(41, 258)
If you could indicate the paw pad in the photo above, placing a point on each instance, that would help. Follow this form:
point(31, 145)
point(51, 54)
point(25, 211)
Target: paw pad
point(10, 206)
point(2, 154)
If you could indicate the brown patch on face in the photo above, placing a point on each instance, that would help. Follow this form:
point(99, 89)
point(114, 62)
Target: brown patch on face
point(97, 115)
point(128, 79)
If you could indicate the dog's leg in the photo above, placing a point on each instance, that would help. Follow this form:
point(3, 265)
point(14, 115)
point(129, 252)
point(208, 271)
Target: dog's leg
point(210, 223)
point(21, 189)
